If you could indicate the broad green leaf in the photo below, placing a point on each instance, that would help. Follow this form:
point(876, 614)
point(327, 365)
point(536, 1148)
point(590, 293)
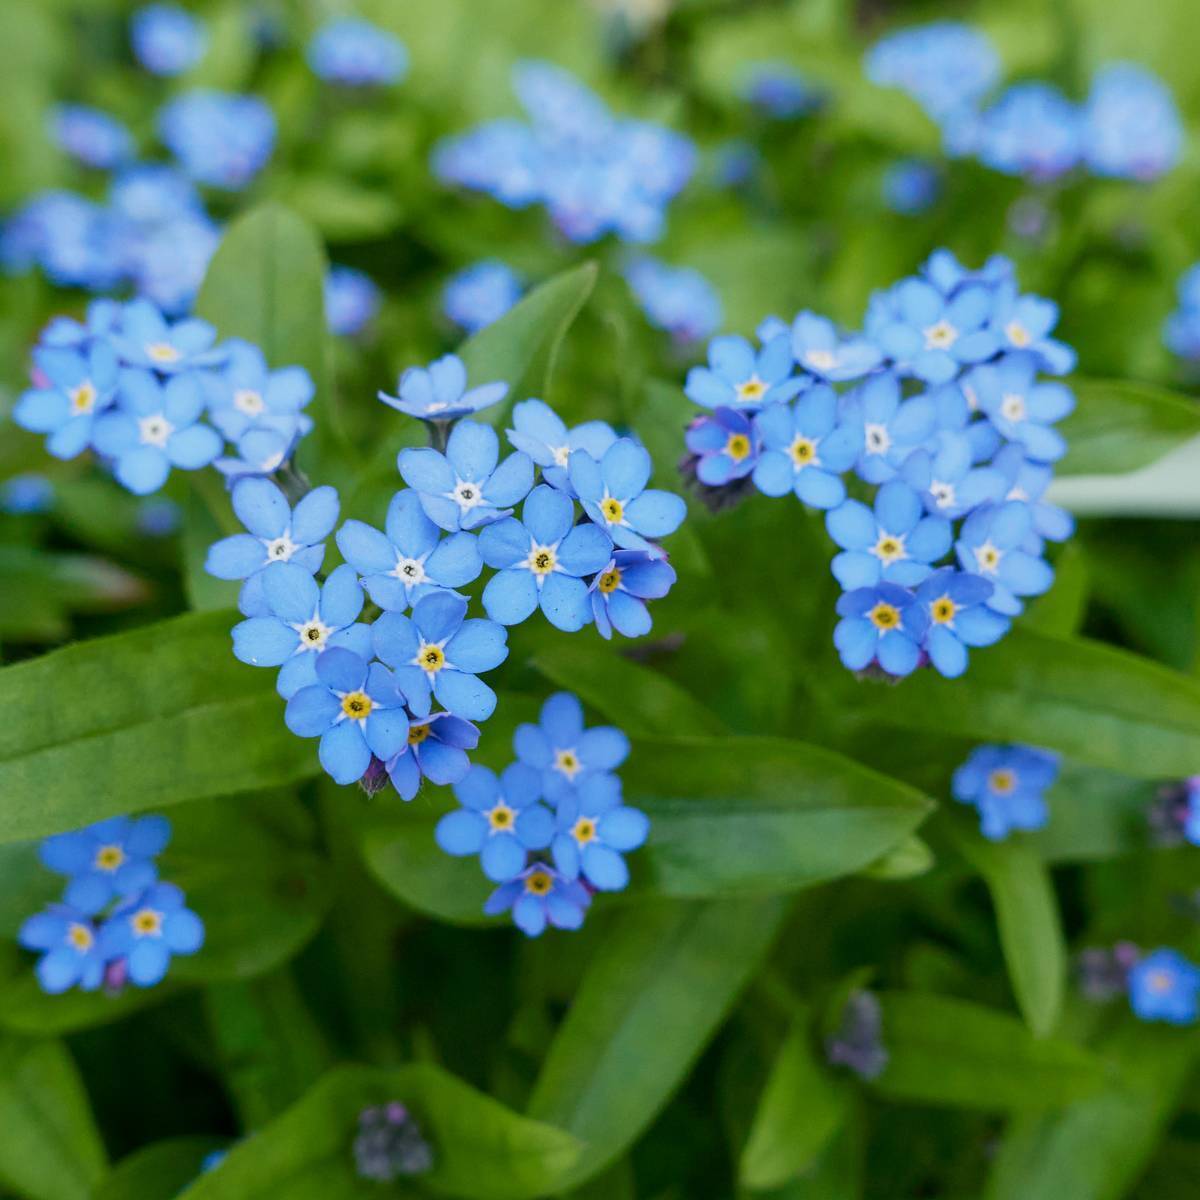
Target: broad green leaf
point(1101, 706)
point(1097, 1148)
point(1094, 815)
point(801, 1108)
point(138, 721)
point(49, 1146)
point(655, 992)
point(481, 1149)
point(953, 1052)
point(159, 1171)
point(905, 860)
point(1119, 426)
point(1060, 612)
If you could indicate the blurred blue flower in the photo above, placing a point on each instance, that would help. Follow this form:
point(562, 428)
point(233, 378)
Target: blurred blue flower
point(540, 561)
point(594, 829)
point(1007, 784)
point(439, 392)
point(148, 931)
point(245, 390)
point(911, 186)
point(881, 624)
point(1182, 330)
point(101, 319)
point(145, 338)
point(1131, 127)
point(500, 820)
point(356, 53)
point(1165, 986)
point(538, 897)
point(90, 136)
point(739, 377)
point(991, 543)
point(78, 388)
point(779, 90)
point(167, 262)
point(891, 428)
point(76, 242)
point(500, 157)
point(70, 946)
point(159, 517)
point(541, 433)
point(152, 193)
point(619, 592)
point(220, 139)
point(1032, 130)
point(954, 603)
point(480, 294)
point(410, 559)
point(25, 495)
point(726, 445)
point(823, 352)
point(564, 751)
point(678, 300)
point(436, 750)
point(351, 300)
point(167, 39)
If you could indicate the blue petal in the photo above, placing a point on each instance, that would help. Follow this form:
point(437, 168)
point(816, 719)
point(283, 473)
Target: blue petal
point(461, 832)
point(510, 597)
point(343, 750)
point(464, 695)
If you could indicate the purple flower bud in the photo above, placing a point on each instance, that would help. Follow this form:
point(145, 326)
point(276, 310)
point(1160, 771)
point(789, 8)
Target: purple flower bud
point(389, 1144)
point(857, 1044)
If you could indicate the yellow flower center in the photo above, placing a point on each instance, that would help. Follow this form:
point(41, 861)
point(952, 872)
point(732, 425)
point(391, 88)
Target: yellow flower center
point(357, 705)
point(940, 336)
point(417, 734)
point(613, 510)
point(889, 548)
point(987, 557)
point(584, 830)
point(538, 882)
point(431, 658)
point(567, 762)
point(1160, 981)
point(80, 937)
point(542, 560)
point(501, 817)
point(610, 581)
point(83, 397)
point(884, 616)
point(146, 922)
point(1017, 334)
point(750, 391)
point(1002, 781)
point(803, 451)
point(162, 352)
point(738, 446)
point(942, 610)
point(109, 858)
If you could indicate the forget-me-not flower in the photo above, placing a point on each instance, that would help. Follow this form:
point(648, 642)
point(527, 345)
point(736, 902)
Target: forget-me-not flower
point(541, 433)
point(246, 391)
point(146, 339)
point(882, 623)
point(726, 445)
point(1131, 127)
point(351, 300)
point(1027, 481)
point(149, 930)
point(891, 428)
point(822, 351)
point(739, 377)
point(955, 604)
point(1021, 409)
point(594, 829)
point(70, 947)
point(1024, 323)
point(480, 294)
point(79, 386)
point(220, 139)
point(538, 897)
point(1165, 986)
point(564, 751)
point(356, 53)
point(92, 137)
point(1007, 785)
point(678, 300)
point(991, 543)
point(167, 39)
point(619, 592)
point(947, 479)
point(439, 392)
point(1032, 130)
point(436, 750)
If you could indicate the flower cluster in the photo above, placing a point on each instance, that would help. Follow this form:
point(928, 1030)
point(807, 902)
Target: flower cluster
point(676, 299)
point(1182, 331)
point(117, 920)
point(355, 53)
point(942, 408)
point(551, 829)
point(1161, 986)
point(1007, 784)
point(1127, 128)
point(594, 172)
point(367, 690)
point(135, 388)
point(167, 39)
point(480, 294)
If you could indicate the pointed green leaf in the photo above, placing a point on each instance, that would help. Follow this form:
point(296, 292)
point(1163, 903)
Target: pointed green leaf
point(159, 1171)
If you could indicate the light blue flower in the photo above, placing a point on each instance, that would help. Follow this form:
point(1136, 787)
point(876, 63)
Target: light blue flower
point(26, 495)
point(356, 709)
point(464, 488)
point(146, 339)
point(738, 377)
point(895, 543)
point(91, 136)
point(356, 53)
point(101, 319)
point(275, 533)
point(726, 445)
point(167, 262)
point(944, 474)
point(948, 275)
point(619, 592)
point(678, 300)
point(593, 830)
point(1024, 323)
point(500, 820)
point(435, 652)
point(351, 300)
point(614, 494)
point(540, 432)
point(880, 624)
point(1021, 409)
point(220, 139)
point(991, 543)
point(151, 194)
point(480, 294)
point(822, 351)
point(76, 242)
point(78, 388)
point(1007, 784)
point(806, 448)
point(439, 392)
point(502, 158)
point(540, 562)
point(155, 426)
point(955, 605)
point(779, 90)
point(564, 751)
point(1182, 330)
point(1027, 481)
point(148, 931)
point(436, 750)
point(1165, 986)
point(107, 860)
point(69, 943)
point(911, 186)
point(262, 449)
point(167, 39)
point(245, 391)
point(305, 621)
point(1032, 130)
point(538, 897)
point(1131, 127)
point(891, 428)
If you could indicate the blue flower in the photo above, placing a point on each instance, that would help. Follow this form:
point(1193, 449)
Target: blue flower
point(500, 157)
point(167, 39)
point(1028, 481)
point(145, 339)
point(100, 321)
point(1165, 986)
point(107, 860)
point(1182, 330)
point(779, 90)
point(1021, 409)
point(806, 448)
point(883, 624)
point(70, 946)
point(911, 186)
point(439, 392)
point(219, 139)
point(726, 446)
point(1131, 127)
point(500, 820)
point(948, 275)
point(480, 294)
point(619, 592)
point(276, 533)
point(538, 897)
point(436, 652)
point(1007, 785)
point(351, 300)
point(1032, 130)
point(540, 562)
point(944, 474)
point(159, 517)
point(1024, 323)
point(613, 493)
point(27, 494)
point(894, 543)
point(79, 387)
point(464, 488)
point(356, 53)
point(594, 830)
point(891, 429)
point(91, 136)
point(436, 750)
point(540, 432)
point(156, 426)
point(565, 752)
point(738, 377)
point(991, 544)
point(246, 391)
point(822, 351)
point(167, 262)
point(678, 300)
point(409, 561)
point(954, 603)
point(356, 710)
point(147, 932)
point(75, 242)
point(262, 449)
point(150, 194)
point(305, 621)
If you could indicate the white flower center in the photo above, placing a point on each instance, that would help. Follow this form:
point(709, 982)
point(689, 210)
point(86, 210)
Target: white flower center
point(988, 557)
point(879, 441)
point(154, 430)
point(1017, 334)
point(281, 548)
point(313, 634)
point(248, 401)
point(940, 336)
point(1012, 407)
point(83, 398)
point(162, 352)
point(942, 493)
point(1017, 493)
point(410, 571)
point(467, 494)
point(542, 561)
point(562, 455)
point(820, 360)
point(889, 548)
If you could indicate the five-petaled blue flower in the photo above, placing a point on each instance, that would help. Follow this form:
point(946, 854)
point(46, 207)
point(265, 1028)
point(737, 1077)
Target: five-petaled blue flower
point(435, 652)
point(821, 351)
point(500, 820)
point(892, 428)
point(538, 897)
point(884, 624)
point(408, 561)
point(564, 751)
point(1028, 481)
point(992, 544)
point(439, 392)
point(1025, 322)
point(1007, 785)
point(356, 710)
point(620, 591)
point(950, 485)
point(79, 386)
point(613, 493)
point(726, 446)
point(1165, 986)
point(464, 488)
point(436, 750)
point(594, 830)
point(246, 391)
point(145, 338)
point(738, 377)
point(1021, 409)
point(541, 433)
point(955, 603)
point(149, 930)
point(541, 560)
point(70, 945)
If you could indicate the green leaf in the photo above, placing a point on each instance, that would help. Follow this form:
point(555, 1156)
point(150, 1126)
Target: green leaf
point(801, 1108)
point(757, 815)
point(1119, 426)
point(159, 1171)
point(480, 1148)
point(945, 1051)
point(1094, 815)
point(1101, 706)
point(652, 996)
point(905, 860)
point(1097, 1148)
point(49, 1146)
point(141, 720)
